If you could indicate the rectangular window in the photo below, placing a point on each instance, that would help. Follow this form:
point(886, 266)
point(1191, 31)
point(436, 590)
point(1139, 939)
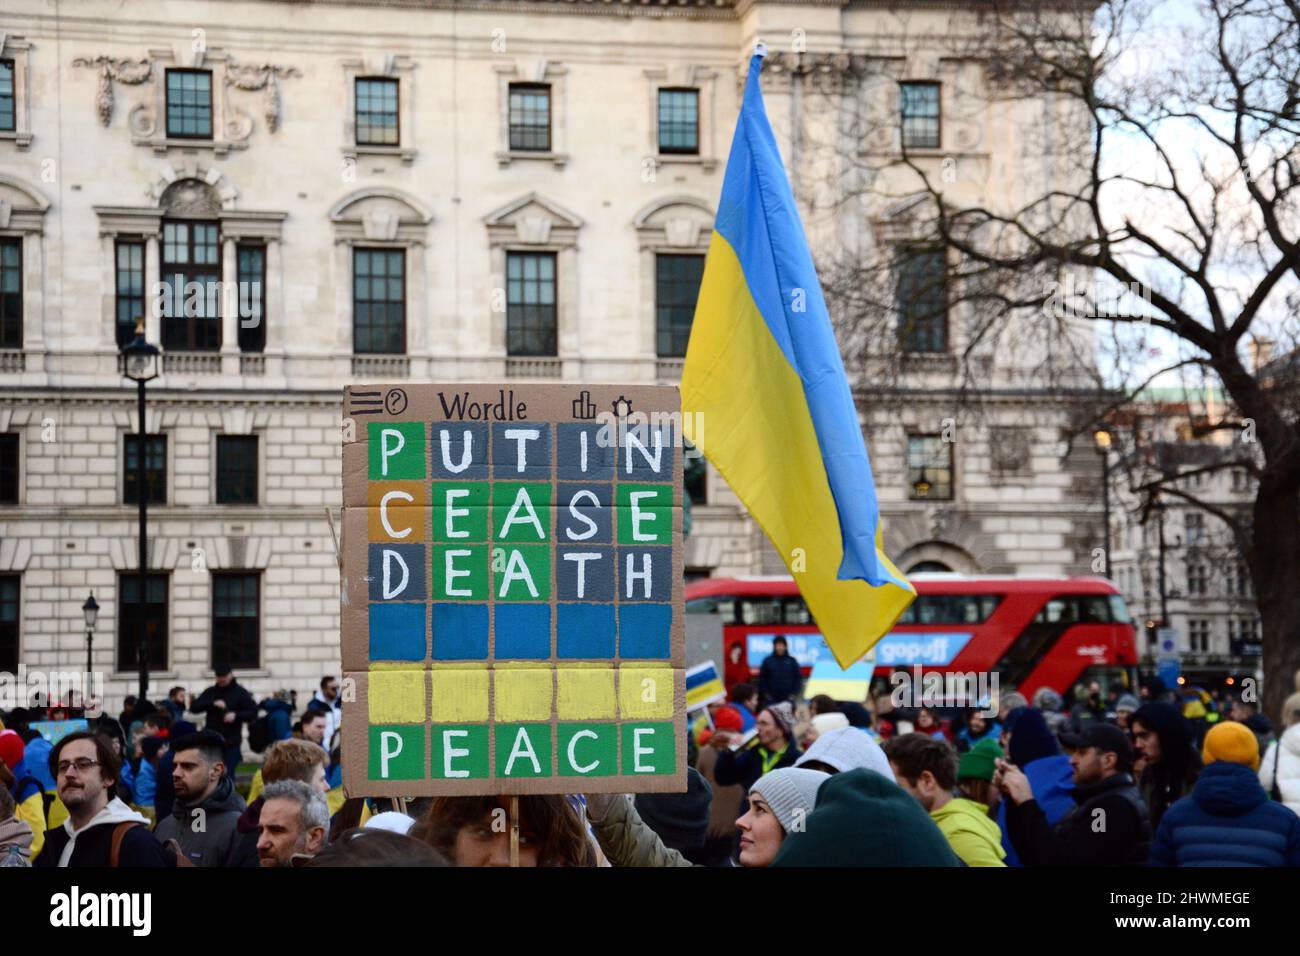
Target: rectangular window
point(929, 468)
point(8, 113)
point(132, 611)
point(236, 621)
point(10, 598)
point(10, 443)
point(1198, 635)
point(251, 276)
point(130, 289)
point(922, 299)
point(677, 286)
point(920, 115)
point(377, 122)
point(679, 121)
point(379, 301)
point(530, 117)
point(189, 104)
point(191, 272)
point(236, 470)
point(530, 303)
point(1250, 629)
point(1194, 523)
point(155, 469)
point(11, 293)
point(1197, 579)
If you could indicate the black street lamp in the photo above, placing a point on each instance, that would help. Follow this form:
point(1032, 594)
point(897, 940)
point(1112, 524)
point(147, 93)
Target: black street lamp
point(140, 364)
point(91, 610)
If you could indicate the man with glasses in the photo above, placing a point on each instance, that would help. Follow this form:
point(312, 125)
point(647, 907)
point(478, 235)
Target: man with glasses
point(100, 830)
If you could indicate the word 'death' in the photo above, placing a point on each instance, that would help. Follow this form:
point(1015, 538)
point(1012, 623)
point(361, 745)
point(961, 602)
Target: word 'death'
point(512, 590)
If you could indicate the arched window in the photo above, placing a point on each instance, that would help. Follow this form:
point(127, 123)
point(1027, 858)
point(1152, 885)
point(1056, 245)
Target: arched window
point(191, 267)
point(929, 567)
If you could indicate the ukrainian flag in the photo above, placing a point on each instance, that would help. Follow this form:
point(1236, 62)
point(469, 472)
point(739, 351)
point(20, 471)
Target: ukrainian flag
point(779, 420)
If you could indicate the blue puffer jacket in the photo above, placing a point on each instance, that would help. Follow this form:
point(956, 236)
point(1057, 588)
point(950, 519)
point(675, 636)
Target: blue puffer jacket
point(1228, 820)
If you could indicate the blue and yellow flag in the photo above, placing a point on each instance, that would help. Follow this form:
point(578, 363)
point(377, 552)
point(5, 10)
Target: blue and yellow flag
point(779, 421)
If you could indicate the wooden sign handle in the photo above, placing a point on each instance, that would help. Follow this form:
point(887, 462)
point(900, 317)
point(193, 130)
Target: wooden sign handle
point(514, 831)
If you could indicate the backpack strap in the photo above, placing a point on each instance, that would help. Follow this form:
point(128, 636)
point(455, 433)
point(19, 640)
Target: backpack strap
point(119, 834)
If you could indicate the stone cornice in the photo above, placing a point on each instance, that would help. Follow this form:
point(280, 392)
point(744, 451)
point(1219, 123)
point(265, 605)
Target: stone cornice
point(690, 9)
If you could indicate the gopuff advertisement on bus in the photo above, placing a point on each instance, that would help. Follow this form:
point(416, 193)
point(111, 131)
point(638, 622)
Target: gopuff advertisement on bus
point(895, 649)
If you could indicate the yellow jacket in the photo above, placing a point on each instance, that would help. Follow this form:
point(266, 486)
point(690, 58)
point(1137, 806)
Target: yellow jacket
point(970, 832)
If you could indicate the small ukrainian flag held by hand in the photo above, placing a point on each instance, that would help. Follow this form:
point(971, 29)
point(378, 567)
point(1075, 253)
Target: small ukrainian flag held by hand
point(764, 370)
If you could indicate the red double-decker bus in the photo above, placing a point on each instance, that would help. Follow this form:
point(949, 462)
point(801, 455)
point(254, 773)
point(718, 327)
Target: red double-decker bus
point(1032, 632)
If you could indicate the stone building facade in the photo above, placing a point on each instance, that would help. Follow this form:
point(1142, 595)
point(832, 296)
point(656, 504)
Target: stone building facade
point(1208, 597)
point(429, 190)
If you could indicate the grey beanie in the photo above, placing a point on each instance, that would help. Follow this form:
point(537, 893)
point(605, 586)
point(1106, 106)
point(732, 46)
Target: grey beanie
point(788, 791)
point(848, 748)
point(1127, 702)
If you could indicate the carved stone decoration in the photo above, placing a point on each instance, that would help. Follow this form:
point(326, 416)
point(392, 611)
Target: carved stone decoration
point(141, 120)
point(191, 199)
point(264, 76)
point(130, 72)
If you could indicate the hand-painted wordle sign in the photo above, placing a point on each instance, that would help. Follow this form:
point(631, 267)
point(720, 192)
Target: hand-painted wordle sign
point(512, 589)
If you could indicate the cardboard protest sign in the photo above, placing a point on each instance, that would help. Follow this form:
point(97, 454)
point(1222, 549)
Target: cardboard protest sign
point(512, 617)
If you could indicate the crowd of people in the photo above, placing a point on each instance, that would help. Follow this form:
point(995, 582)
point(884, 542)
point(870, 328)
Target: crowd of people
point(773, 780)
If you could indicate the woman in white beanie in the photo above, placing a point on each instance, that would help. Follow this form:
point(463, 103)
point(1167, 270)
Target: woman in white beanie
point(779, 803)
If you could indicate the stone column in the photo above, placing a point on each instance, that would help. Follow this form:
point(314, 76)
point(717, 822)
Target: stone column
point(152, 274)
point(229, 309)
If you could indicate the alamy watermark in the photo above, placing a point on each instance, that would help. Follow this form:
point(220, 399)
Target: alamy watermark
point(39, 688)
point(180, 299)
point(978, 689)
point(1074, 299)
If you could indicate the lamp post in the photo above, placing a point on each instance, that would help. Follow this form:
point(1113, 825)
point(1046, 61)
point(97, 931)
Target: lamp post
point(140, 364)
point(1102, 439)
point(91, 610)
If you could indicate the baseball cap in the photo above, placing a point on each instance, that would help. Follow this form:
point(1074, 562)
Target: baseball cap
point(1105, 737)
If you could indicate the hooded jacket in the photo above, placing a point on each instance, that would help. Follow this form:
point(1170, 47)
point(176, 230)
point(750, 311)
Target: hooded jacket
point(29, 803)
point(1051, 778)
point(92, 845)
point(16, 832)
point(970, 832)
point(1227, 821)
point(1281, 764)
point(862, 819)
point(1168, 781)
point(218, 842)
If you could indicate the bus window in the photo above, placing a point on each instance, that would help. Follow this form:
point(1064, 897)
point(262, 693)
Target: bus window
point(796, 611)
point(760, 611)
point(1076, 609)
point(1118, 611)
point(951, 609)
point(723, 605)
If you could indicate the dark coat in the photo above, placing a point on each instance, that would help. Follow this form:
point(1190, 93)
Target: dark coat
point(238, 701)
point(94, 844)
point(1124, 840)
point(219, 843)
point(779, 678)
point(1228, 820)
point(745, 766)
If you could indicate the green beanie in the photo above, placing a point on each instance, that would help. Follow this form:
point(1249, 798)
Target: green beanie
point(862, 819)
point(977, 762)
